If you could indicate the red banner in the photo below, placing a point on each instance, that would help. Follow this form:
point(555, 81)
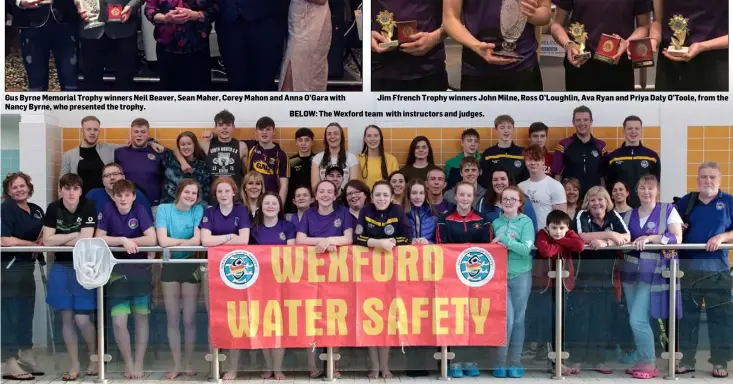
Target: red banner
point(292, 297)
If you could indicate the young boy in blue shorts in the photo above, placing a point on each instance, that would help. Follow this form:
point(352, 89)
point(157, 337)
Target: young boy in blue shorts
point(128, 225)
point(68, 219)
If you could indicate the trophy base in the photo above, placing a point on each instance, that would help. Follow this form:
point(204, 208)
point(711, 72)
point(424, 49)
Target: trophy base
point(389, 44)
point(582, 57)
point(678, 52)
point(604, 58)
point(94, 24)
point(507, 54)
point(642, 64)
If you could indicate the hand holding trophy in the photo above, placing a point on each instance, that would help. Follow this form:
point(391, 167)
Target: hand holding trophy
point(579, 36)
point(679, 35)
point(512, 22)
point(89, 11)
point(386, 20)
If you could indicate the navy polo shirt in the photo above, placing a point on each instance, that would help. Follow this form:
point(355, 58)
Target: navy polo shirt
point(20, 224)
point(706, 221)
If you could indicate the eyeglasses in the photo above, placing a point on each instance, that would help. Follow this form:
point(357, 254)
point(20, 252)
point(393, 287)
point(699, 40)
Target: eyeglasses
point(113, 174)
point(353, 193)
point(510, 200)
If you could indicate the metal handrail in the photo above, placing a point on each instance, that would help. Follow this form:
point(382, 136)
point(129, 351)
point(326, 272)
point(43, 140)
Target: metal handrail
point(41, 248)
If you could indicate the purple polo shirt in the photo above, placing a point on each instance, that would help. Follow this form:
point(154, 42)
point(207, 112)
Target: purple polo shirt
point(131, 225)
point(271, 163)
point(481, 18)
point(230, 224)
point(279, 234)
point(396, 64)
point(708, 19)
point(608, 16)
point(313, 224)
point(144, 167)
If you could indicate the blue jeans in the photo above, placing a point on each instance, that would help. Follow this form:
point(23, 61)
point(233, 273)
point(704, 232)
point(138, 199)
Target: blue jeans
point(517, 295)
point(638, 296)
point(36, 46)
point(17, 307)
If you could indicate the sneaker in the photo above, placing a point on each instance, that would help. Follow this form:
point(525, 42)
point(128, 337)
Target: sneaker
point(455, 371)
point(471, 370)
point(515, 372)
point(499, 373)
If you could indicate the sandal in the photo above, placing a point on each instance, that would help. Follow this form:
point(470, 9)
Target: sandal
point(314, 374)
point(645, 374)
point(720, 372)
point(603, 370)
point(30, 368)
point(683, 369)
point(70, 376)
point(25, 376)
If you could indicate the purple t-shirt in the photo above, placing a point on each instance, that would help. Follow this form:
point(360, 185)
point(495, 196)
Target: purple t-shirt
point(481, 18)
point(396, 64)
point(271, 163)
point(144, 167)
point(131, 225)
point(230, 224)
point(313, 224)
point(279, 234)
point(608, 16)
point(708, 19)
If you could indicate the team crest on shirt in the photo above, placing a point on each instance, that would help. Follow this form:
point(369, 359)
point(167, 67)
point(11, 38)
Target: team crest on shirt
point(78, 220)
point(337, 223)
point(720, 206)
point(236, 221)
point(132, 223)
point(359, 229)
point(99, 216)
point(282, 236)
point(90, 220)
point(151, 156)
point(205, 220)
point(475, 267)
point(518, 164)
point(651, 225)
point(644, 164)
point(594, 153)
point(476, 225)
point(389, 230)
point(38, 215)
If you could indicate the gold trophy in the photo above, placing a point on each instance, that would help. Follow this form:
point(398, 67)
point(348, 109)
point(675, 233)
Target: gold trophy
point(579, 35)
point(386, 20)
point(679, 34)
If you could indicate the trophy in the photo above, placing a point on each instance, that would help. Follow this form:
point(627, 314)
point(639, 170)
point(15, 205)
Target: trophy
point(607, 48)
point(511, 23)
point(641, 51)
point(45, 2)
point(577, 31)
point(386, 20)
point(114, 13)
point(405, 29)
point(679, 34)
point(92, 8)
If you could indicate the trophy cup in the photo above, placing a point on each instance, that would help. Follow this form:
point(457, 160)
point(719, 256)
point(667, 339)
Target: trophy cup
point(405, 29)
point(607, 48)
point(579, 35)
point(92, 8)
point(679, 35)
point(641, 52)
point(511, 23)
point(386, 20)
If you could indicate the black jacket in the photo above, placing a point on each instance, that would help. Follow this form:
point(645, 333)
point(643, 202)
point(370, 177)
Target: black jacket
point(61, 11)
point(388, 224)
point(629, 164)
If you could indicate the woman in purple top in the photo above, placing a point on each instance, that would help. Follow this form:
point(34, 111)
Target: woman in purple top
point(626, 19)
point(270, 228)
point(475, 24)
point(326, 226)
point(705, 65)
point(417, 64)
point(302, 200)
point(645, 290)
point(182, 29)
point(225, 223)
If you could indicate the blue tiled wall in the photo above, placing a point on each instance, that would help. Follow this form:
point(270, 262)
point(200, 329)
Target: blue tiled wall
point(9, 161)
